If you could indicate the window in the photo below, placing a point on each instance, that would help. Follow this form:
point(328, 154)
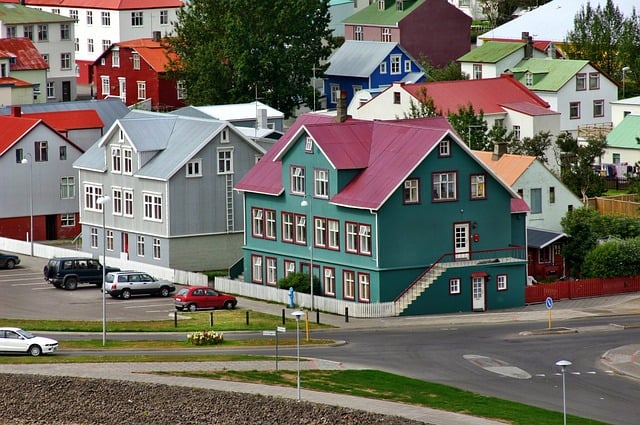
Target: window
point(225, 161)
point(272, 271)
point(116, 159)
point(544, 255)
point(333, 229)
point(351, 237)
point(477, 71)
point(65, 32)
point(357, 33)
point(581, 82)
point(270, 224)
point(308, 144)
point(320, 232)
point(407, 65)
point(364, 234)
point(65, 60)
point(164, 17)
point(45, 56)
point(516, 132)
point(224, 136)
point(444, 148)
point(28, 32)
point(67, 187)
point(356, 88)
point(574, 110)
point(127, 159)
point(396, 98)
point(536, 201)
point(152, 207)
point(128, 202)
point(454, 286)
point(478, 187)
point(115, 58)
point(62, 153)
point(51, 89)
point(552, 195)
point(105, 46)
point(444, 186)
point(67, 219)
point(301, 229)
point(116, 194)
point(411, 192)
point(91, 195)
point(598, 108)
point(106, 87)
point(256, 269)
point(383, 67)
point(349, 284)
point(321, 183)
point(380, 4)
point(136, 19)
point(386, 34)
point(41, 151)
point(89, 17)
point(289, 267)
point(156, 248)
point(594, 81)
point(364, 287)
point(136, 61)
point(499, 123)
point(528, 79)
point(257, 222)
point(140, 245)
point(76, 44)
point(142, 90)
point(94, 238)
point(109, 237)
point(297, 180)
point(181, 90)
point(330, 281)
point(501, 281)
point(400, 5)
point(395, 64)
point(73, 13)
point(335, 92)
point(194, 168)
point(12, 31)
point(56, 11)
point(287, 227)
point(36, 88)
point(19, 155)
point(106, 19)
point(43, 32)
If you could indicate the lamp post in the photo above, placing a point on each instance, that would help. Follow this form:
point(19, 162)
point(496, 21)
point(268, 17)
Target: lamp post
point(311, 226)
point(298, 314)
point(563, 364)
point(30, 162)
point(103, 200)
point(469, 132)
point(624, 71)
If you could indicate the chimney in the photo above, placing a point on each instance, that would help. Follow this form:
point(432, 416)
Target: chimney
point(499, 149)
point(528, 48)
point(261, 118)
point(341, 107)
point(16, 111)
point(551, 51)
point(156, 36)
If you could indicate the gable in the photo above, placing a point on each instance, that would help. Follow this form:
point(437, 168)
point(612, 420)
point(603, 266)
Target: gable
point(626, 134)
point(389, 16)
point(548, 74)
point(359, 58)
point(492, 52)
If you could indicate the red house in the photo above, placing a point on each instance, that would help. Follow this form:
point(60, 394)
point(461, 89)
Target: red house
point(135, 71)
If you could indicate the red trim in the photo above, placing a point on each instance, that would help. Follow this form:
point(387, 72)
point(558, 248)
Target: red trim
point(479, 274)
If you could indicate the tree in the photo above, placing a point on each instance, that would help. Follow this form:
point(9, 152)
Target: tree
point(234, 51)
point(471, 127)
point(533, 146)
point(425, 107)
point(576, 168)
point(450, 72)
point(500, 11)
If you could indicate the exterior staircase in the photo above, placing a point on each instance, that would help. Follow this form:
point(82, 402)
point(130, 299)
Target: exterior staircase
point(418, 287)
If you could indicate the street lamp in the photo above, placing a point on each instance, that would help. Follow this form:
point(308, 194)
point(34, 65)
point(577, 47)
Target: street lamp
point(311, 227)
point(563, 364)
point(30, 162)
point(297, 314)
point(624, 71)
point(103, 200)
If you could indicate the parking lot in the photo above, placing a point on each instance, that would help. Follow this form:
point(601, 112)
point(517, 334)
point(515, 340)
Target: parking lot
point(26, 295)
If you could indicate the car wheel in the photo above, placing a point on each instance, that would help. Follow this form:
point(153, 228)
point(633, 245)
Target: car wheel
point(45, 270)
point(229, 305)
point(71, 284)
point(126, 294)
point(35, 350)
point(11, 264)
point(192, 307)
point(164, 291)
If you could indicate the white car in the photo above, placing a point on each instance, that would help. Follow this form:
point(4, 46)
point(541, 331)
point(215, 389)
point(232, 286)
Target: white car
point(16, 340)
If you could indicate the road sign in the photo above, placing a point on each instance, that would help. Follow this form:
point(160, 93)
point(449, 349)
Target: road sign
point(269, 333)
point(281, 329)
point(549, 303)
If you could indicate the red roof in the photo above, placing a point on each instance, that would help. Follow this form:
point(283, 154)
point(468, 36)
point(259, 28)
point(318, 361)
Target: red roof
point(152, 52)
point(488, 94)
point(12, 130)
point(10, 81)
point(26, 54)
point(103, 4)
point(63, 121)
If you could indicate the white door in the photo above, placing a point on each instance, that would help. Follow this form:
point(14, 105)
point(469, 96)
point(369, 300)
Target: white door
point(461, 241)
point(123, 88)
point(477, 289)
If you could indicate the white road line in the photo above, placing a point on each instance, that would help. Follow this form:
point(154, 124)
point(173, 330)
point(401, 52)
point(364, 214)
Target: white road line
point(148, 306)
point(30, 284)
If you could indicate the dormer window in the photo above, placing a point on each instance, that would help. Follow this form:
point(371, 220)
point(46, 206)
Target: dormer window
point(400, 5)
point(528, 79)
point(380, 4)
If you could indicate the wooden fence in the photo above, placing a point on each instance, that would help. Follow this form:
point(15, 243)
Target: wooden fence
point(623, 205)
point(581, 288)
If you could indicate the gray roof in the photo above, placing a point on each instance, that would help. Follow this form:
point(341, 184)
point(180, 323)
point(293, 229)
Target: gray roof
point(359, 58)
point(229, 112)
point(109, 110)
point(539, 238)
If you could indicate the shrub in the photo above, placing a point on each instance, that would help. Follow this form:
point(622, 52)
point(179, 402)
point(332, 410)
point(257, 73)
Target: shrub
point(300, 283)
point(205, 338)
point(613, 258)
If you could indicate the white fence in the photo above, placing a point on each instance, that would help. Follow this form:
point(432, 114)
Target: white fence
point(326, 304)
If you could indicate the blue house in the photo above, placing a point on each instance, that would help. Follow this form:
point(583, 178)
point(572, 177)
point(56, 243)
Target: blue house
point(385, 211)
point(358, 65)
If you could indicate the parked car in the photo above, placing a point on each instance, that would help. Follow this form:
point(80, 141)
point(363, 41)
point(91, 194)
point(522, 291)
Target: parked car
point(68, 272)
point(16, 340)
point(195, 298)
point(8, 261)
point(127, 283)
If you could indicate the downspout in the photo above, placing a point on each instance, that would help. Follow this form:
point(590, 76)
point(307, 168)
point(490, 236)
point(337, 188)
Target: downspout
point(375, 214)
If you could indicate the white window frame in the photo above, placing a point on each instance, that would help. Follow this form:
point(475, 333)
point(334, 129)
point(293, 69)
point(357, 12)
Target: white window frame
point(272, 271)
point(106, 85)
point(333, 234)
point(477, 71)
point(225, 161)
point(395, 64)
point(115, 58)
point(140, 246)
point(321, 183)
point(329, 281)
point(383, 67)
point(91, 194)
point(478, 186)
point(364, 239)
point(287, 227)
point(364, 287)
point(110, 240)
point(67, 187)
point(152, 206)
point(297, 180)
point(164, 17)
point(257, 222)
point(386, 35)
point(67, 219)
point(105, 19)
point(136, 60)
point(270, 223)
point(116, 195)
point(256, 268)
point(194, 168)
point(444, 148)
point(128, 202)
point(445, 186)
point(127, 161)
point(300, 229)
point(351, 237)
point(320, 232)
point(156, 249)
point(501, 282)
point(137, 19)
point(116, 159)
point(411, 193)
point(348, 284)
point(94, 237)
point(142, 90)
point(454, 286)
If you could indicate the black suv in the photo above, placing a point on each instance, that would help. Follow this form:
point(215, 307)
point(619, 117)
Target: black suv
point(67, 272)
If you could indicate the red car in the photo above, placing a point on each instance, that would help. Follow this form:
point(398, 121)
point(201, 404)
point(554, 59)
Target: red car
point(195, 298)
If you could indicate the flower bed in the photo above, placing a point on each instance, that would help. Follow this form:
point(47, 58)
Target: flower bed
point(205, 338)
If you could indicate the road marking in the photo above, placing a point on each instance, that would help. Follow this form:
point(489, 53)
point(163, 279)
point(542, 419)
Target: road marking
point(497, 366)
point(148, 306)
point(30, 284)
